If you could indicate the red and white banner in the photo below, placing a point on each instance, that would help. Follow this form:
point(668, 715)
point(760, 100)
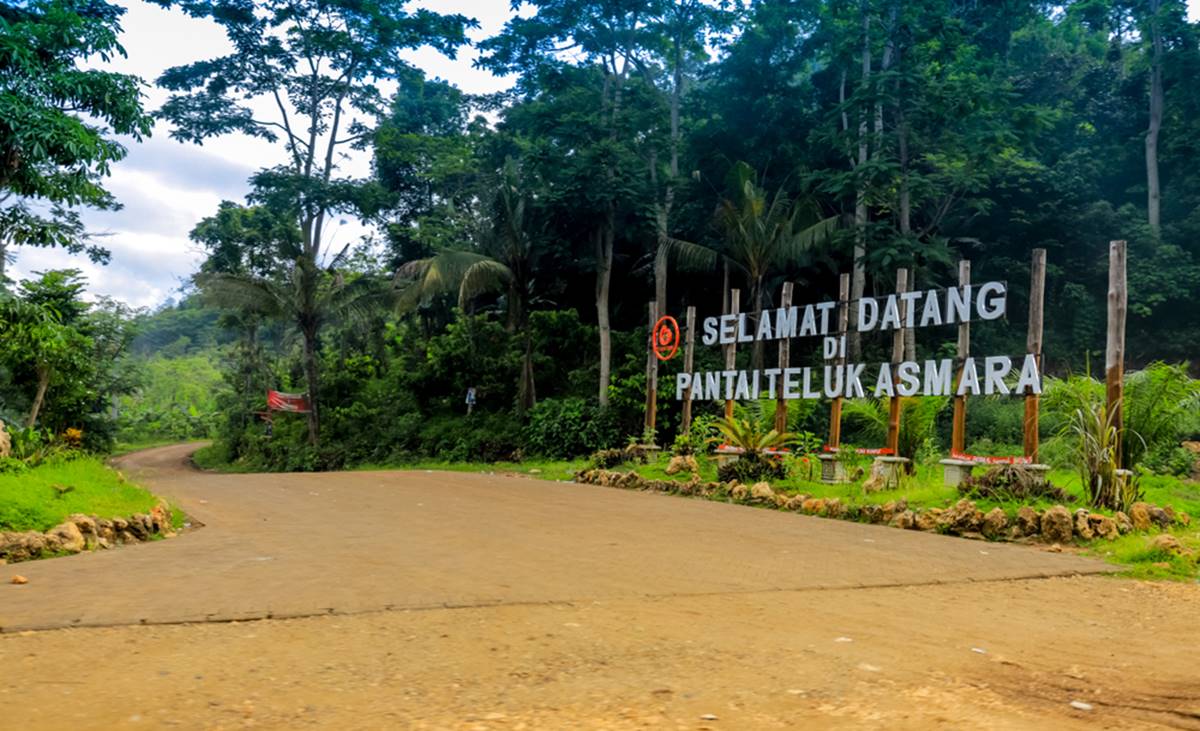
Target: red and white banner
point(296, 403)
point(877, 452)
point(989, 460)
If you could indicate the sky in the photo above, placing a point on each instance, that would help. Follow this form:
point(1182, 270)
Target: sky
point(166, 187)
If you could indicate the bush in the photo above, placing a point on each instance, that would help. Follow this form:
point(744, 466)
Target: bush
point(1013, 483)
point(1165, 459)
point(753, 467)
point(571, 427)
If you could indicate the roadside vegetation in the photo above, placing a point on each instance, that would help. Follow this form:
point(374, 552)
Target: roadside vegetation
point(41, 497)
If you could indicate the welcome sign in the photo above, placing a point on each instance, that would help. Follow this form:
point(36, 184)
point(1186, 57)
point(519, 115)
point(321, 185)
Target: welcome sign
point(927, 308)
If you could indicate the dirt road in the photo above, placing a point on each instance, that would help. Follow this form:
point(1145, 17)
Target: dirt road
point(421, 600)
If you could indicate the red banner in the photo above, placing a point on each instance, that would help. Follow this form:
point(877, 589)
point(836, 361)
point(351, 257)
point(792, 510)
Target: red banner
point(989, 460)
point(877, 452)
point(296, 403)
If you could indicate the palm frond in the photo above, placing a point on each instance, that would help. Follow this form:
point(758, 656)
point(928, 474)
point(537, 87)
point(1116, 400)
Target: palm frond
point(245, 293)
point(686, 255)
point(485, 275)
point(421, 280)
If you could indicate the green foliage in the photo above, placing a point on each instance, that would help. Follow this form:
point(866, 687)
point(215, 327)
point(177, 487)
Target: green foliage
point(56, 118)
point(698, 438)
point(30, 500)
point(752, 467)
point(1094, 430)
point(918, 419)
point(570, 427)
point(749, 435)
point(177, 400)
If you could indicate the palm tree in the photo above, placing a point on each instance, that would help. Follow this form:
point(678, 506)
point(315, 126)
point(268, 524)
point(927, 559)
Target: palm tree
point(503, 261)
point(308, 296)
point(763, 233)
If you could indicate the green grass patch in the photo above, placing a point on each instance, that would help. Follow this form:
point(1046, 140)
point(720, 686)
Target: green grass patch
point(1143, 560)
point(41, 498)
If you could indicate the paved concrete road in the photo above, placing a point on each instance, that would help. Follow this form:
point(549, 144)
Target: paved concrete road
point(308, 544)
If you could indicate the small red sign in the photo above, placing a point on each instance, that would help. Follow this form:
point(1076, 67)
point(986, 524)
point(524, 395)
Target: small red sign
point(296, 403)
point(665, 338)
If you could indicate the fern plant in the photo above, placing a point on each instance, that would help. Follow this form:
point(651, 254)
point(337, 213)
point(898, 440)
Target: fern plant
point(754, 440)
point(750, 435)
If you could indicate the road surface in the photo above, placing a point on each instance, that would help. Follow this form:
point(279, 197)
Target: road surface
point(445, 600)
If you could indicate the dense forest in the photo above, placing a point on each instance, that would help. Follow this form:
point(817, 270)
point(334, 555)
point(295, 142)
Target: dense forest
point(648, 150)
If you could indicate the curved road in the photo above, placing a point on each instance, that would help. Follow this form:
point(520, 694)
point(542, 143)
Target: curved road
point(446, 600)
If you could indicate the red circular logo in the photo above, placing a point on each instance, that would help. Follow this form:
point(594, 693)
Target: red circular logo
point(665, 338)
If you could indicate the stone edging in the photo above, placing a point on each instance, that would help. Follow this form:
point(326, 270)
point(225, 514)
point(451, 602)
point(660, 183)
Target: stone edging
point(1053, 525)
point(80, 533)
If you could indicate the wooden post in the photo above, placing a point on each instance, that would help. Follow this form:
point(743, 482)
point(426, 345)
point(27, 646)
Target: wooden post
point(785, 352)
point(1033, 345)
point(731, 348)
point(893, 433)
point(835, 409)
point(958, 433)
point(651, 375)
point(689, 348)
point(1114, 353)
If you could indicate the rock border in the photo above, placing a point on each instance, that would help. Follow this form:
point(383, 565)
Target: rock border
point(81, 532)
point(1055, 525)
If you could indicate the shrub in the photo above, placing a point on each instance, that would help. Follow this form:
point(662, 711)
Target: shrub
point(697, 439)
point(570, 427)
point(1013, 483)
point(753, 467)
point(1167, 459)
point(753, 439)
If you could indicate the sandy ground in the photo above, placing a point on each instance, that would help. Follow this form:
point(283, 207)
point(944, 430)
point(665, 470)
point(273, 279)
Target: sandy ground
point(420, 600)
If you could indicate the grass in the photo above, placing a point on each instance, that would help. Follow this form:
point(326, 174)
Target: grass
point(30, 500)
point(1144, 561)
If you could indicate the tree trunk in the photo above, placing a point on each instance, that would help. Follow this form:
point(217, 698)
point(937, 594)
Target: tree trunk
point(905, 195)
point(43, 374)
point(1153, 193)
point(859, 273)
point(526, 393)
point(310, 376)
point(604, 260)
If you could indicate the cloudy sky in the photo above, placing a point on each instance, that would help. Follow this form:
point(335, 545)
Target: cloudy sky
point(166, 186)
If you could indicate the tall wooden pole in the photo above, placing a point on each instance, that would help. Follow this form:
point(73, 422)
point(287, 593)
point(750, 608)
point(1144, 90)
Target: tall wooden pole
point(731, 348)
point(958, 432)
point(1033, 345)
point(1114, 354)
point(785, 352)
point(689, 352)
point(651, 374)
point(893, 433)
point(835, 409)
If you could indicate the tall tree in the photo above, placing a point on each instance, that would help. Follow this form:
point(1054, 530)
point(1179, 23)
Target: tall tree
point(57, 121)
point(611, 36)
point(317, 64)
point(504, 260)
